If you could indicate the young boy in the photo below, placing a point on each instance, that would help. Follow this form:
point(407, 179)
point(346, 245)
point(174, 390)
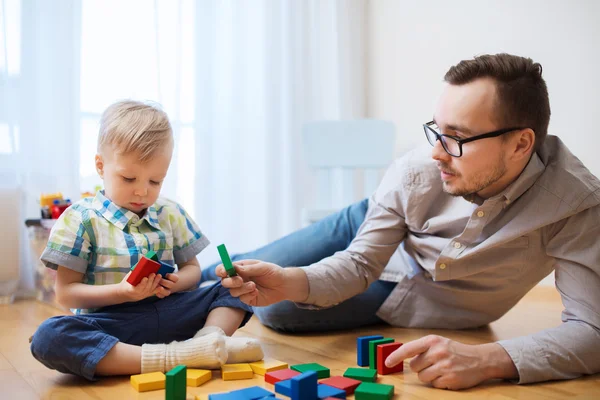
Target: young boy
point(93, 246)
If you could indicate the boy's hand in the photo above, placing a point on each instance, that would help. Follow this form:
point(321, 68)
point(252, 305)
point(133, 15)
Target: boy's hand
point(167, 286)
point(146, 288)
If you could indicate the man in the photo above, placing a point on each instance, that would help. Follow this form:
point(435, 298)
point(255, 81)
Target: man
point(454, 239)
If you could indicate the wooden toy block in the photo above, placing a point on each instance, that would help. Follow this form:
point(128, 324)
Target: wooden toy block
point(142, 269)
point(361, 374)
point(280, 375)
point(284, 387)
point(322, 372)
point(152, 255)
point(226, 260)
point(373, 350)
point(383, 351)
point(196, 377)
point(304, 386)
point(226, 396)
point(324, 391)
point(150, 381)
point(362, 349)
point(176, 380)
point(165, 269)
point(374, 391)
point(264, 366)
point(232, 372)
point(348, 385)
point(253, 393)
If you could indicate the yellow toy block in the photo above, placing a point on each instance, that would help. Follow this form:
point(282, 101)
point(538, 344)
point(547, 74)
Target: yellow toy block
point(196, 377)
point(150, 381)
point(264, 366)
point(232, 372)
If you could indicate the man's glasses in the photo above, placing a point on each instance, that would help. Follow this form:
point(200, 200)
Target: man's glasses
point(453, 145)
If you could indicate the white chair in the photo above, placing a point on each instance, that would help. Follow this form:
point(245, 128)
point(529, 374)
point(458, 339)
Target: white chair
point(348, 158)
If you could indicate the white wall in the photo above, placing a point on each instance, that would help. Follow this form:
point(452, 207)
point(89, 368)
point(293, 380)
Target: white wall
point(413, 43)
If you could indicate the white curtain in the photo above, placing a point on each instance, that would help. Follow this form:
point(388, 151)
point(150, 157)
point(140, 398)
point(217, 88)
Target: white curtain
point(237, 78)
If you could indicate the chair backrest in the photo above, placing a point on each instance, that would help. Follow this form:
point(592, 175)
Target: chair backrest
point(345, 156)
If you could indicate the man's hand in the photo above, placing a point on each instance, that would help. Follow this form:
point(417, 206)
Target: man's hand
point(447, 364)
point(146, 288)
point(167, 286)
point(261, 284)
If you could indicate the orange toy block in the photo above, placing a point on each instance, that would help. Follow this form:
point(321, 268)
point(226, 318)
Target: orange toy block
point(264, 366)
point(383, 351)
point(142, 269)
point(232, 372)
point(196, 377)
point(150, 381)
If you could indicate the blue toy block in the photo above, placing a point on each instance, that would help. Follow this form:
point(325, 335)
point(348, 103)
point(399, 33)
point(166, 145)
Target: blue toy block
point(253, 393)
point(284, 388)
point(362, 349)
point(304, 386)
point(165, 269)
point(227, 396)
point(324, 391)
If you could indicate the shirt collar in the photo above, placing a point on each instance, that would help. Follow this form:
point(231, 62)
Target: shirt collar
point(528, 177)
point(121, 217)
point(530, 174)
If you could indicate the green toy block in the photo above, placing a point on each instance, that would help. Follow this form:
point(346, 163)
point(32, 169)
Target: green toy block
point(151, 255)
point(176, 383)
point(361, 374)
point(226, 260)
point(322, 372)
point(373, 350)
point(373, 391)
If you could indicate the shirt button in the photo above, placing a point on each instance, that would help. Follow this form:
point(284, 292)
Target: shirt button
point(457, 245)
point(144, 251)
point(480, 214)
point(135, 219)
point(442, 266)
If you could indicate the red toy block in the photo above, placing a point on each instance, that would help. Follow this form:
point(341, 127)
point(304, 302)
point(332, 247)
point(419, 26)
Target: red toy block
point(383, 351)
point(348, 385)
point(280, 375)
point(142, 269)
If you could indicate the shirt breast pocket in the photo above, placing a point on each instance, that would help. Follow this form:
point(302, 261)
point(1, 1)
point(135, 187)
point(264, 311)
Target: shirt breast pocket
point(503, 260)
point(518, 243)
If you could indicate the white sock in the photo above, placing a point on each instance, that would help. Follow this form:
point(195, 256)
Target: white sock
point(239, 349)
point(208, 351)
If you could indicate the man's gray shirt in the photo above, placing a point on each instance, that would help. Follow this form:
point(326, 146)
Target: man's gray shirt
point(464, 262)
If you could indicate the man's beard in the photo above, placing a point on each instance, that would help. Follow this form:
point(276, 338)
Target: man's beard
point(478, 181)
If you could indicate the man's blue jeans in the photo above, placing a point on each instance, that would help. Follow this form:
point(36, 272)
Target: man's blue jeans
point(307, 246)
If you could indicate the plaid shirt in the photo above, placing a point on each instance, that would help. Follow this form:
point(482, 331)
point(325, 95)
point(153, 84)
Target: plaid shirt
point(103, 241)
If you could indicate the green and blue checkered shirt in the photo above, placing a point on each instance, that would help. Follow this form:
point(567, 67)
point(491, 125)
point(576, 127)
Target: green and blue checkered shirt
point(103, 241)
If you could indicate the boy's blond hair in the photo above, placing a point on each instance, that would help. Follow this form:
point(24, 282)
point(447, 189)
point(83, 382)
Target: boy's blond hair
point(134, 127)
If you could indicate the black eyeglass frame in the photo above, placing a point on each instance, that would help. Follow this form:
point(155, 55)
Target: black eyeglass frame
point(438, 136)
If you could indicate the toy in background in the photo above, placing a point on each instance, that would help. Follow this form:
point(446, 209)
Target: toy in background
point(52, 205)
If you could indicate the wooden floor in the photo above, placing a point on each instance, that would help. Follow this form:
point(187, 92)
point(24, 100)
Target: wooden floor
point(23, 378)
